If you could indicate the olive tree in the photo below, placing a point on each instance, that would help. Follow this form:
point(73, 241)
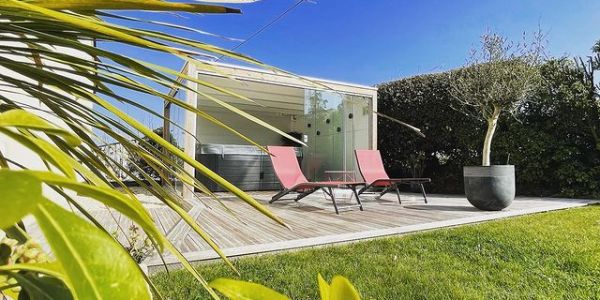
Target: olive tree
point(498, 77)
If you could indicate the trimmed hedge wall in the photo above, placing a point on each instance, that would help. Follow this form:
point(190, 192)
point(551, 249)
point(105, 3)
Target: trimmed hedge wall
point(551, 140)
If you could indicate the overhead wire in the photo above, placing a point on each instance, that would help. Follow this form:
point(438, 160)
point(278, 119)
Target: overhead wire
point(265, 27)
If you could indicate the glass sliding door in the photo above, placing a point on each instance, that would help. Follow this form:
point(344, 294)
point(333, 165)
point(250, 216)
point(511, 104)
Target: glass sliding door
point(335, 125)
point(357, 124)
point(325, 133)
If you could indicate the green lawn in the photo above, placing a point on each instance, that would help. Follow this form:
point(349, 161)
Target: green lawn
point(544, 256)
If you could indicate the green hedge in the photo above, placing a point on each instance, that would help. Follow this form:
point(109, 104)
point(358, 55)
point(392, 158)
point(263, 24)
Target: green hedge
point(551, 140)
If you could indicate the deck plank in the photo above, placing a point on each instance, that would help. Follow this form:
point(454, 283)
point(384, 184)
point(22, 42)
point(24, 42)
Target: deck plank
point(312, 221)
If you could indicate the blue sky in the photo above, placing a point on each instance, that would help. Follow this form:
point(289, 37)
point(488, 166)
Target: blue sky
point(369, 42)
point(373, 41)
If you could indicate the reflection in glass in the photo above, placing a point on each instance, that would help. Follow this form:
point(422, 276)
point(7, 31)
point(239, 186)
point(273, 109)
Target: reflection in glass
point(332, 141)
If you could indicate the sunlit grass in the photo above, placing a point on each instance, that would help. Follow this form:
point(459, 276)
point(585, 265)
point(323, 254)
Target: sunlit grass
point(550, 255)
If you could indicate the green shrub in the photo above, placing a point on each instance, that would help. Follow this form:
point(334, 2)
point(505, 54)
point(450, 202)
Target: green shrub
point(550, 139)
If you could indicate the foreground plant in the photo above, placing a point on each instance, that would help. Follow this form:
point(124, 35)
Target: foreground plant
point(39, 78)
point(339, 289)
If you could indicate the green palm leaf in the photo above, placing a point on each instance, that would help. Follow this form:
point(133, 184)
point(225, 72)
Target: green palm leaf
point(91, 5)
point(96, 267)
point(65, 83)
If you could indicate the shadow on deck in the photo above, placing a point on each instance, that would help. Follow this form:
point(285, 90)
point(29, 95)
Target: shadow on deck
point(313, 221)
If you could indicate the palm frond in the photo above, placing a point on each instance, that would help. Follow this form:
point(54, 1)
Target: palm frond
point(158, 5)
point(47, 53)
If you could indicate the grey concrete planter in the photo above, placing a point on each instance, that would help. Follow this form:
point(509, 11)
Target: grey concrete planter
point(490, 188)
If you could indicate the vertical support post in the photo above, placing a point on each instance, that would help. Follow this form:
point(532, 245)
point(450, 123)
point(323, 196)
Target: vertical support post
point(166, 121)
point(373, 141)
point(189, 140)
point(166, 129)
point(167, 111)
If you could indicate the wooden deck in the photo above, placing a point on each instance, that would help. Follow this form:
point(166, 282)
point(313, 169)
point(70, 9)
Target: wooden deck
point(313, 221)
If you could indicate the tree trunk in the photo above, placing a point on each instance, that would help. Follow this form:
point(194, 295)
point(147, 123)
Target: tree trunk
point(487, 142)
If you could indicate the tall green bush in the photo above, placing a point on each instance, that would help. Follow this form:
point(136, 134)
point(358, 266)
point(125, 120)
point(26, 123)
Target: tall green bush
point(549, 139)
point(452, 138)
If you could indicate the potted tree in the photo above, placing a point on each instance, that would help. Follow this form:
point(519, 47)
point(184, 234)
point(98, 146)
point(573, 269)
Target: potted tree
point(498, 78)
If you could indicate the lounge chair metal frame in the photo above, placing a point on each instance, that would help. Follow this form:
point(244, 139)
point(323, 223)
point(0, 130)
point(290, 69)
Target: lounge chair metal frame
point(394, 187)
point(303, 187)
point(385, 183)
point(327, 189)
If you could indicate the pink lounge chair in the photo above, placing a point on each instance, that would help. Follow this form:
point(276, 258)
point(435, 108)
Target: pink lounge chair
point(372, 170)
point(287, 169)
